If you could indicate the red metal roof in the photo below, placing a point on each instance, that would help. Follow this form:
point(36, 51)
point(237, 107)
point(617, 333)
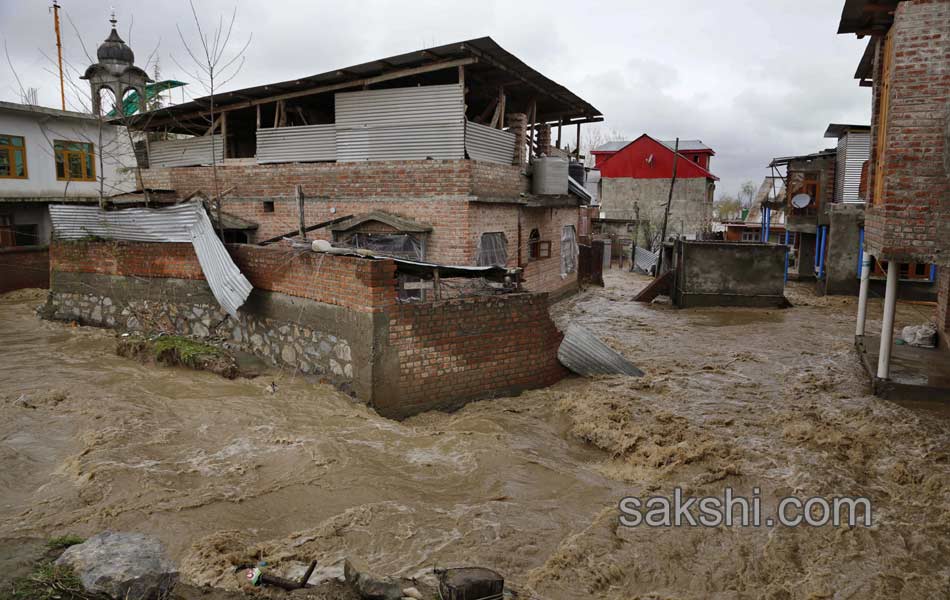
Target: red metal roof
point(633, 160)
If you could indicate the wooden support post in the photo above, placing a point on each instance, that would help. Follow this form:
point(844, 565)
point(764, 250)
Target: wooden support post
point(501, 110)
point(577, 149)
point(437, 284)
point(559, 120)
point(258, 116)
point(532, 119)
point(277, 112)
point(298, 191)
point(462, 83)
point(224, 135)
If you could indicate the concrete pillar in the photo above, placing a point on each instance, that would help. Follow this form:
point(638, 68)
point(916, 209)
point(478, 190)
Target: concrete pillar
point(887, 327)
point(863, 293)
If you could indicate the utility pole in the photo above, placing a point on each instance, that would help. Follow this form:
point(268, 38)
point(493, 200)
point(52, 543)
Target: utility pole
point(59, 52)
point(636, 232)
point(669, 200)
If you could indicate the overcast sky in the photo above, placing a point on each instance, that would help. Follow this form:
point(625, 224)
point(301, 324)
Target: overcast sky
point(753, 79)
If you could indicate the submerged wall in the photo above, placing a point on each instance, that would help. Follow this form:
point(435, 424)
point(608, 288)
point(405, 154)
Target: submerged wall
point(729, 274)
point(337, 316)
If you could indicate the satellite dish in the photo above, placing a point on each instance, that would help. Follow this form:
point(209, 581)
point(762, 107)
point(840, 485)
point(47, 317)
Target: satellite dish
point(801, 200)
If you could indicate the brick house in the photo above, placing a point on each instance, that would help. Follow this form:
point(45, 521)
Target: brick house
point(432, 151)
point(907, 65)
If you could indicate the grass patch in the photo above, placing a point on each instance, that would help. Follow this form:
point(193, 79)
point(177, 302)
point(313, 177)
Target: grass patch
point(189, 352)
point(64, 541)
point(48, 581)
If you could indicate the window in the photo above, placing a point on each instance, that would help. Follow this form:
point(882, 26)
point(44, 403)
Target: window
point(12, 157)
point(26, 235)
point(751, 236)
point(538, 248)
point(268, 206)
point(75, 161)
point(569, 250)
point(492, 250)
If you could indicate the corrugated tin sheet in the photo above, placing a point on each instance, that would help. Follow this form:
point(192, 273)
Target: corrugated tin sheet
point(183, 223)
point(853, 149)
point(401, 124)
point(584, 354)
point(645, 259)
point(400, 106)
point(578, 190)
point(412, 142)
point(187, 152)
point(306, 143)
point(490, 144)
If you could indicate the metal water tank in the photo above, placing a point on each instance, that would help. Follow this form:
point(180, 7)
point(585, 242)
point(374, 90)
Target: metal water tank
point(577, 172)
point(550, 176)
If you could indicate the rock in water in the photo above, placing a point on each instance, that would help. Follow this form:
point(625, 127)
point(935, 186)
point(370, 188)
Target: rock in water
point(369, 587)
point(122, 565)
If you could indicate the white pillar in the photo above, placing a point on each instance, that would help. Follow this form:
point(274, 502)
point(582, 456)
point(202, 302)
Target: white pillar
point(863, 294)
point(887, 327)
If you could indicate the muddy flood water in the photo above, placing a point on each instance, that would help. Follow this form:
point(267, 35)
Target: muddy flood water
point(228, 471)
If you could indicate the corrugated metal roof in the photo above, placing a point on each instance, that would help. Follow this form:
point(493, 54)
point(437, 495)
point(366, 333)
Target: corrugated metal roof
point(578, 190)
point(685, 145)
point(584, 354)
point(183, 223)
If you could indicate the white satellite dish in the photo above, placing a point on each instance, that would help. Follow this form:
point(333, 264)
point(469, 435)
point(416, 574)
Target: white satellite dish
point(801, 200)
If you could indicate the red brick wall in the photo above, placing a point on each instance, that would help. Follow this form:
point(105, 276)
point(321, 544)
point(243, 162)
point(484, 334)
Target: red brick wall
point(495, 180)
point(377, 179)
point(359, 284)
point(24, 267)
point(356, 283)
point(126, 258)
point(447, 216)
point(458, 350)
point(911, 221)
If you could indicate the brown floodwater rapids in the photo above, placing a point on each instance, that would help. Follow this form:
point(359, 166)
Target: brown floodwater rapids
point(225, 472)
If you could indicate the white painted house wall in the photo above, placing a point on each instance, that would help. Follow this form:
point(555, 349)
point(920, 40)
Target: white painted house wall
point(40, 126)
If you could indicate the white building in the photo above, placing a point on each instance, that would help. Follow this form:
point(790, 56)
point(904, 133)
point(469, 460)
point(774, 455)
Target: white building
point(49, 155)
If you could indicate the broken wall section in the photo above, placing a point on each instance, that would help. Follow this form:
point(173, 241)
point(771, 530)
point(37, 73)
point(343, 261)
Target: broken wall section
point(333, 315)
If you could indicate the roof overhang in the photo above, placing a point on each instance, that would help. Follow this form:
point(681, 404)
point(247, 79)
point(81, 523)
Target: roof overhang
point(837, 130)
point(865, 71)
point(867, 17)
point(45, 111)
point(487, 65)
point(785, 160)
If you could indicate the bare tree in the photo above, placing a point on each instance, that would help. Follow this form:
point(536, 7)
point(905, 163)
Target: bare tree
point(598, 135)
point(728, 208)
point(747, 193)
point(218, 61)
